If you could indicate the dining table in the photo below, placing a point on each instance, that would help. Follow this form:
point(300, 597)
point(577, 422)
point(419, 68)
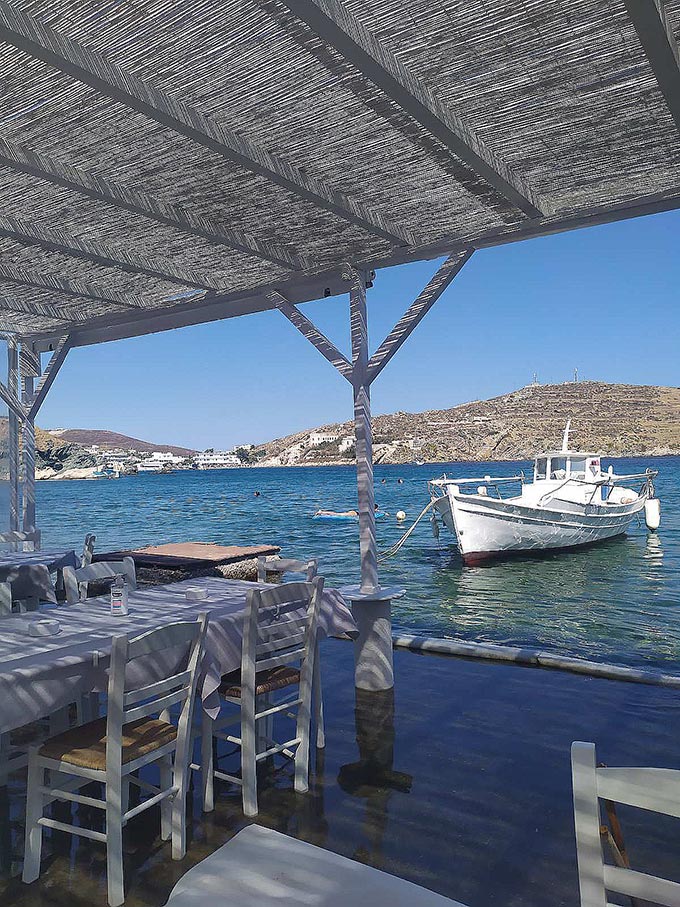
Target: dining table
point(54, 559)
point(41, 674)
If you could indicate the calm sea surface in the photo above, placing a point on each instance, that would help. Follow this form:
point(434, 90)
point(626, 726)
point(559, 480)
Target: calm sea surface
point(619, 601)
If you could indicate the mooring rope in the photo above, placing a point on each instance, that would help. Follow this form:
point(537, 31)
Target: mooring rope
point(394, 549)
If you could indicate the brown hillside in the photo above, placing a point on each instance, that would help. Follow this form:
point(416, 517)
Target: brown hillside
point(110, 440)
point(614, 419)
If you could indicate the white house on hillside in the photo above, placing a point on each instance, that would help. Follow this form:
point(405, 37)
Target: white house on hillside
point(322, 437)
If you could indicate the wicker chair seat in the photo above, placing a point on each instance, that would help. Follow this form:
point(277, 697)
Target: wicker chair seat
point(265, 681)
point(85, 746)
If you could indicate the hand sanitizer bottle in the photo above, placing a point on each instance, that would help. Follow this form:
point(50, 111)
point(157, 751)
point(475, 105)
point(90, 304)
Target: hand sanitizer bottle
point(119, 596)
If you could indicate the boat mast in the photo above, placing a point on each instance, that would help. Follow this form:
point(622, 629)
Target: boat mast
point(565, 439)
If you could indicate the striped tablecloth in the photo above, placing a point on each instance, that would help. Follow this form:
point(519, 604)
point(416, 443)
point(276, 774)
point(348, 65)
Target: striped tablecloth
point(40, 675)
point(53, 559)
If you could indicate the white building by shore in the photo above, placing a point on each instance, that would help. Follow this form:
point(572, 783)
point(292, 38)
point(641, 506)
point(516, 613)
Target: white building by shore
point(159, 461)
point(216, 459)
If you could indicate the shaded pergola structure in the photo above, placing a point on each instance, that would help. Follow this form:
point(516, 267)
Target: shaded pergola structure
point(182, 163)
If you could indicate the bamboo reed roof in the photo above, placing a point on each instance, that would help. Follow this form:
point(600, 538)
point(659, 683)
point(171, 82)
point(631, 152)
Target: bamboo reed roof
point(163, 162)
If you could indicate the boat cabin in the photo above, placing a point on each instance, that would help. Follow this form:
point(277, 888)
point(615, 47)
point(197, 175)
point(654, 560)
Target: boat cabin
point(560, 464)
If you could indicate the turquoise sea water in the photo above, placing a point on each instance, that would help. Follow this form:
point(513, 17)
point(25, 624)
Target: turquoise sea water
point(619, 601)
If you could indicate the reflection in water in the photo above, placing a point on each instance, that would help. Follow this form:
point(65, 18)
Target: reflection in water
point(373, 777)
point(654, 547)
point(617, 591)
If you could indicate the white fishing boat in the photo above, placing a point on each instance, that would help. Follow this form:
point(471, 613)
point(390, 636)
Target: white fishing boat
point(571, 502)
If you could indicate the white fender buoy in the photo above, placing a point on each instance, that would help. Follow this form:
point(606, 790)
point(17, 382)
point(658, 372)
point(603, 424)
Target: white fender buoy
point(652, 513)
point(401, 516)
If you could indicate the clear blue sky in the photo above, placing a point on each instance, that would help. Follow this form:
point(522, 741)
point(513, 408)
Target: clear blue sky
point(604, 300)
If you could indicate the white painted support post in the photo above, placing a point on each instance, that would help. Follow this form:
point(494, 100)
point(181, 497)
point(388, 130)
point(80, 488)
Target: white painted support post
point(28, 449)
point(32, 398)
point(363, 433)
point(371, 606)
point(29, 368)
point(13, 435)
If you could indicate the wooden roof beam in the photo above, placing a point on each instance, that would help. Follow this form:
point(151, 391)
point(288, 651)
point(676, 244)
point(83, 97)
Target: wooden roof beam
point(415, 313)
point(660, 47)
point(46, 381)
point(32, 36)
point(98, 187)
point(101, 253)
point(334, 24)
point(35, 309)
point(309, 330)
point(77, 288)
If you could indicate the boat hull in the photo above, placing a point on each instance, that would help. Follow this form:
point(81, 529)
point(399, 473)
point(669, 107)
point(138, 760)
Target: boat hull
point(487, 529)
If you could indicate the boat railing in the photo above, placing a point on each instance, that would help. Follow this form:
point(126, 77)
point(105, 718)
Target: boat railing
point(648, 475)
point(486, 481)
point(608, 479)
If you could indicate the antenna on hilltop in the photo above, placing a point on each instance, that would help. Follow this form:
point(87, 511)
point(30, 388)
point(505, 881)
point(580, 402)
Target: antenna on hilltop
point(535, 381)
point(575, 376)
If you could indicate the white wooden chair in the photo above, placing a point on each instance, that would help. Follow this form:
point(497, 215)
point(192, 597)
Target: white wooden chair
point(260, 867)
point(280, 565)
point(276, 636)
point(22, 541)
point(655, 789)
point(88, 550)
point(27, 586)
point(110, 749)
point(77, 579)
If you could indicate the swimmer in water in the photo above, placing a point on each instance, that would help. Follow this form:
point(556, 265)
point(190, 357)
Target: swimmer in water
point(256, 494)
point(348, 513)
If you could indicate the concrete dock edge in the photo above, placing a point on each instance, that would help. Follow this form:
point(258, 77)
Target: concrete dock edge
point(532, 657)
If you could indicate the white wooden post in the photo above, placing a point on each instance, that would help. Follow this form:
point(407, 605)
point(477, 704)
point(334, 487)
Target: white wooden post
point(363, 433)
point(371, 604)
point(13, 435)
point(29, 368)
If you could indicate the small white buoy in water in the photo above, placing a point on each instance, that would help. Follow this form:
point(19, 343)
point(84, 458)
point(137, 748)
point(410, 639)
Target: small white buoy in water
point(652, 513)
point(401, 516)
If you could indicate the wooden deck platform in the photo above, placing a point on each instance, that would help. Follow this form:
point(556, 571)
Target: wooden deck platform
point(192, 555)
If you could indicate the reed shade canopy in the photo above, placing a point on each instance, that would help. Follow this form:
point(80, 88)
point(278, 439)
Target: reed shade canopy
point(169, 163)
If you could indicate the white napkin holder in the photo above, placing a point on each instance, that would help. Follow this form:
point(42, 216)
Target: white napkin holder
point(47, 626)
point(196, 593)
